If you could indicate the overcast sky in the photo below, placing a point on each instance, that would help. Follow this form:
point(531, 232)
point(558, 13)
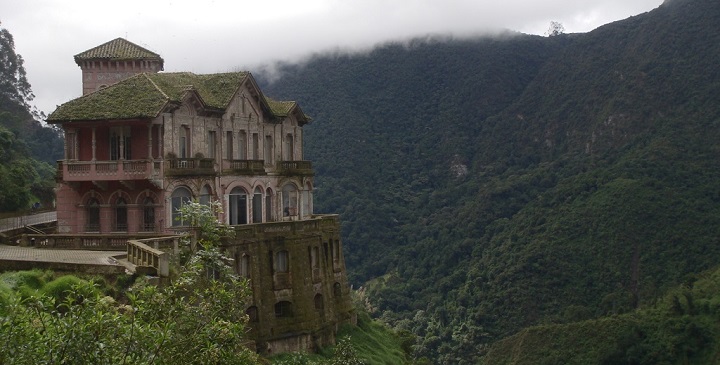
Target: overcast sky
point(205, 36)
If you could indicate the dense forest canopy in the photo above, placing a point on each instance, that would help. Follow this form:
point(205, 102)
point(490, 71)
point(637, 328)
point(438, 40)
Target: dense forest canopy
point(490, 184)
point(494, 183)
point(28, 150)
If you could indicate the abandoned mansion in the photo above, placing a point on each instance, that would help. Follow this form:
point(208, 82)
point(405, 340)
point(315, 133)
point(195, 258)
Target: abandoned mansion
point(140, 143)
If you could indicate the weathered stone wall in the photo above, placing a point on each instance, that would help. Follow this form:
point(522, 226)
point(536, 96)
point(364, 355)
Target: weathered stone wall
point(301, 307)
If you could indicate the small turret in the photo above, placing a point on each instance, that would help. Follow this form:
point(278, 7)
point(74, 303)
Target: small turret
point(114, 61)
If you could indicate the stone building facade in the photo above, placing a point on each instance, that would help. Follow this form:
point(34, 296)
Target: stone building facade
point(141, 143)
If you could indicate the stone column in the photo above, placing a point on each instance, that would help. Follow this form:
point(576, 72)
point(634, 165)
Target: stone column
point(94, 143)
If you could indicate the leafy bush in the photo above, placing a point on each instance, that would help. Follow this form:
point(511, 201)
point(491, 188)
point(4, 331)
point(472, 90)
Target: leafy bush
point(60, 288)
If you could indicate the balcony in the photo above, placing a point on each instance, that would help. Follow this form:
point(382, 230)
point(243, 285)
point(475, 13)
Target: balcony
point(190, 166)
point(109, 170)
point(295, 168)
point(243, 167)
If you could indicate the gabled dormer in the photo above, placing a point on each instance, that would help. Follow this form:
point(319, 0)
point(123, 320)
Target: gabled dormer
point(115, 61)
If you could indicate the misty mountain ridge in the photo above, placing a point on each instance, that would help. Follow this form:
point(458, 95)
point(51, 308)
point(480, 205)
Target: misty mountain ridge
point(486, 184)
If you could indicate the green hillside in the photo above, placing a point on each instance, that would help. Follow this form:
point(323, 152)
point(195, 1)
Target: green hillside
point(490, 184)
point(28, 150)
point(681, 328)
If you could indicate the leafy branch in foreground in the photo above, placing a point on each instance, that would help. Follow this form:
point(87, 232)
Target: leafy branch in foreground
point(198, 318)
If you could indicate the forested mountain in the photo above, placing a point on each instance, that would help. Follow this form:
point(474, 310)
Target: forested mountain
point(28, 150)
point(494, 183)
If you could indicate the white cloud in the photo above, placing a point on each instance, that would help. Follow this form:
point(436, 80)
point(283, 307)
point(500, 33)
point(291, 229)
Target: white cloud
point(225, 35)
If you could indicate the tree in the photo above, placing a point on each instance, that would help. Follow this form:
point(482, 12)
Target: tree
point(198, 318)
point(13, 80)
point(556, 28)
point(207, 230)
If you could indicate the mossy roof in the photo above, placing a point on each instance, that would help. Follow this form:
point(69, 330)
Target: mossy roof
point(118, 49)
point(285, 108)
point(146, 95)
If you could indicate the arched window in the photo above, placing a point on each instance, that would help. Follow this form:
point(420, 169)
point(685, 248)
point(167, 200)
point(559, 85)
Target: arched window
point(148, 222)
point(281, 262)
point(121, 220)
point(92, 215)
point(319, 304)
point(238, 206)
point(283, 309)
point(252, 314)
point(243, 265)
point(257, 205)
point(268, 205)
point(290, 200)
point(179, 197)
point(337, 291)
point(205, 195)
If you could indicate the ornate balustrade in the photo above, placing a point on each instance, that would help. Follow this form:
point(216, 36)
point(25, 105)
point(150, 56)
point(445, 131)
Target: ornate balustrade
point(244, 167)
point(316, 223)
point(190, 166)
point(100, 242)
point(295, 168)
point(140, 253)
point(108, 170)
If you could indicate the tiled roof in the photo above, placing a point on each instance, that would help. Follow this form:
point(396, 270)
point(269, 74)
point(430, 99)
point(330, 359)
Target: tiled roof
point(134, 97)
point(280, 108)
point(284, 108)
point(146, 95)
point(215, 90)
point(118, 49)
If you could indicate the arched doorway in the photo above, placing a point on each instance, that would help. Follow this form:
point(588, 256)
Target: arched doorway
point(121, 215)
point(92, 215)
point(179, 197)
point(238, 206)
point(205, 195)
point(290, 200)
point(257, 205)
point(268, 205)
point(148, 222)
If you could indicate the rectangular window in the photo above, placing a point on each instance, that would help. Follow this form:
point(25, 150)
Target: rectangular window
point(243, 265)
point(120, 143)
point(314, 257)
point(281, 262)
point(71, 145)
point(242, 145)
point(184, 143)
point(268, 150)
point(255, 146)
point(229, 144)
point(289, 146)
point(211, 143)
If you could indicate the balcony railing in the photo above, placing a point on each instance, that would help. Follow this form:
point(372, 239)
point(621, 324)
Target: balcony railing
point(108, 170)
point(148, 252)
point(190, 166)
point(295, 168)
point(244, 167)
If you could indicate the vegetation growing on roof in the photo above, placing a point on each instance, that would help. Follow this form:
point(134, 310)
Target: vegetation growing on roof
point(280, 108)
point(135, 97)
point(284, 108)
point(215, 90)
point(145, 95)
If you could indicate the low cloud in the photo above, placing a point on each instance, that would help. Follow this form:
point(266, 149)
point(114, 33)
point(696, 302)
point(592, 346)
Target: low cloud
point(226, 35)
